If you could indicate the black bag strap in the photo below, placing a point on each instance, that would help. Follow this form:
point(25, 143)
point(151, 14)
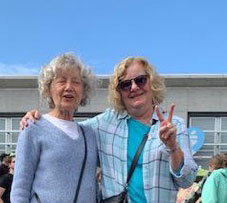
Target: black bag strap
point(83, 166)
point(137, 155)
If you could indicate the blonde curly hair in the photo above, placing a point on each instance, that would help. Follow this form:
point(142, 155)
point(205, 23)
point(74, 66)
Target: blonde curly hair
point(156, 81)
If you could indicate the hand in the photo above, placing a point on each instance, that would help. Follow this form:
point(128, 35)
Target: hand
point(32, 115)
point(167, 131)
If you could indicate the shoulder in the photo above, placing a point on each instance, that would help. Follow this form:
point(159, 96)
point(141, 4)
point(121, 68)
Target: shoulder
point(219, 173)
point(36, 127)
point(34, 131)
point(89, 133)
point(85, 128)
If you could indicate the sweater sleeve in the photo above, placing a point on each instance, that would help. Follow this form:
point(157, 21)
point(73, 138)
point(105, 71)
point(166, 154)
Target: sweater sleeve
point(27, 157)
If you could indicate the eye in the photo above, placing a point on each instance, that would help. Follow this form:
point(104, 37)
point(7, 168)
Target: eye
point(60, 80)
point(125, 85)
point(141, 79)
point(76, 81)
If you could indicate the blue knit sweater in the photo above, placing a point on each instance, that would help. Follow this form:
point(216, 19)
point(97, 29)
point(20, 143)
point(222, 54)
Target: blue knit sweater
point(48, 163)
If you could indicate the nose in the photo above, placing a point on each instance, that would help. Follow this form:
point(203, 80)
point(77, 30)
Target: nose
point(134, 86)
point(68, 85)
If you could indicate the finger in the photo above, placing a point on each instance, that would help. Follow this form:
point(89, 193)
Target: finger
point(163, 130)
point(170, 133)
point(37, 115)
point(159, 114)
point(170, 116)
point(33, 115)
point(167, 130)
point(23, 124)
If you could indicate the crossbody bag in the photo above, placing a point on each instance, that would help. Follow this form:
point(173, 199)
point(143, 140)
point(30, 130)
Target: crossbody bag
point(122, 197)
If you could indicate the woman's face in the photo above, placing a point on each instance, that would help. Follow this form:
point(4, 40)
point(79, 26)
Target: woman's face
point(66, 90)
point(12, 163)
point(138, 97)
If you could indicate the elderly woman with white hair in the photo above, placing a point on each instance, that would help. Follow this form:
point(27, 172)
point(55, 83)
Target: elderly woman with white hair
point(56, 157)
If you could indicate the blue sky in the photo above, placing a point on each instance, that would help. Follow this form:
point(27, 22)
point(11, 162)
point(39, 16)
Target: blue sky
point(177, 36)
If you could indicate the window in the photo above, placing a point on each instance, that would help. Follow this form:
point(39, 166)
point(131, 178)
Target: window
point(2, 134)
point(9, 131)
point(214, 127)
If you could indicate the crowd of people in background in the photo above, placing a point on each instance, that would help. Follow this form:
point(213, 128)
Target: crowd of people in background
point(6, 176)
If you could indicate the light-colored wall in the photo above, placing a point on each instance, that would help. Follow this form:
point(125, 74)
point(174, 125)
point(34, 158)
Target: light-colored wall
point(22, 100)
point(187, 99)
point(18, 100)
point(190, 93)
point(196, 99)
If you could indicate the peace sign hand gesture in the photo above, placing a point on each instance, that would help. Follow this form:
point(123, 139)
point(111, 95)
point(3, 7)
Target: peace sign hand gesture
point(167, 131)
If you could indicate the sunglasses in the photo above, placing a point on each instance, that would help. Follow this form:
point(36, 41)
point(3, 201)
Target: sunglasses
point(125, 85)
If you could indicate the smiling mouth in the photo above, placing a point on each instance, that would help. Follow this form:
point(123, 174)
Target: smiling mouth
point(68, 96)
point(136, 95)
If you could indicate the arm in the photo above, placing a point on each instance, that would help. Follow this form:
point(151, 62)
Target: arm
point(2, 190)
point(167, 134)
point(187, 173)
point(173, 133)
point(28, 153)
point(176, 158)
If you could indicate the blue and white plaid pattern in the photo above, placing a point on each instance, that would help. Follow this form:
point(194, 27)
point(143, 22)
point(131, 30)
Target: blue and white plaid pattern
point(160, 182)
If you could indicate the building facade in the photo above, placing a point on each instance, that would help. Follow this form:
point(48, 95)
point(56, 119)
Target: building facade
point(200, 99)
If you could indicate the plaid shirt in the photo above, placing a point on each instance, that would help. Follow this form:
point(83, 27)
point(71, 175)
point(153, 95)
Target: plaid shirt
point(160, 182)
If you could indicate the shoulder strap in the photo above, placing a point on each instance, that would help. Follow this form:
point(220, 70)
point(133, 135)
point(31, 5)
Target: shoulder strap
point(83, 166)
point(136, 157)
point(138, 152)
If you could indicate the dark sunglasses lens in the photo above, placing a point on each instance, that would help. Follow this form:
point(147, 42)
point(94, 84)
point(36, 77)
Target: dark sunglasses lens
point(125, 85)
point(141, 80)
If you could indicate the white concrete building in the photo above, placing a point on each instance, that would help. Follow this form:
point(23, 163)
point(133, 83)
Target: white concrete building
point(200, 99)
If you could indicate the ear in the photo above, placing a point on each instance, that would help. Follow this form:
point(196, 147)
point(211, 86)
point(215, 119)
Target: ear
point(50, 102)
point(83, 100)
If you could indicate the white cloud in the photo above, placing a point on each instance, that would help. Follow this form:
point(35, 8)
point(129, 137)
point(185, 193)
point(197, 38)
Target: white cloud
point(18, 69)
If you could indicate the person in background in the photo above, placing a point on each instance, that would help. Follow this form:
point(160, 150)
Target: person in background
point(50, 154)
point(215, 187)
point(6, 182)
point(4, 167)
point(166, 162)
point(216, 162)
